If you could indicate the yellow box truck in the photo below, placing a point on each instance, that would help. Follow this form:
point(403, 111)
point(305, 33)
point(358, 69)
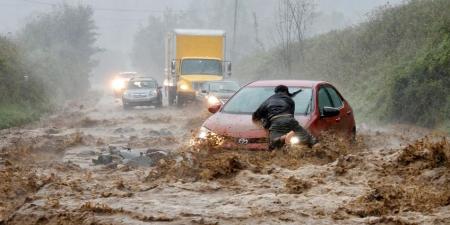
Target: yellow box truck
point(192, 58)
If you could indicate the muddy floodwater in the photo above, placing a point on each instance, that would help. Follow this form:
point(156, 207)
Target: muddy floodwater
point(94, 163)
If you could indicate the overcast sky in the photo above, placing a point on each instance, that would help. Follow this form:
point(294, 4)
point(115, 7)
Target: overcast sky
point(118, 20)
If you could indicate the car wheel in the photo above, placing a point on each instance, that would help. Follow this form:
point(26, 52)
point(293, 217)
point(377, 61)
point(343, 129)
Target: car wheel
point(126, 106)
point(159, 104)
point(172, 95)
point(180, 101)
point(353, 136)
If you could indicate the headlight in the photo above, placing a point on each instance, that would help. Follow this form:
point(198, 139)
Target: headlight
point(294, 140)
point(203, 133)
point(126, 94)
point(118, 84)
point(184, 87)
point(208, 138)
point(213, 100)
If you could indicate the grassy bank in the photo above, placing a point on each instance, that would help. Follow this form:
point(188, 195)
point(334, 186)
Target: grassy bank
point(44, 65)
point(395, 67)
point(15, 115)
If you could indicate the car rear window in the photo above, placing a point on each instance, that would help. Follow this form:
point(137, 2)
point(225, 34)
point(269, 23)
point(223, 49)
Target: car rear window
point(248, 99)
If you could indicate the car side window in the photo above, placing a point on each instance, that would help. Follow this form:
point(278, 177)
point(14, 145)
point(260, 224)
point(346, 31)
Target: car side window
point(324, 99)
point(335, 98)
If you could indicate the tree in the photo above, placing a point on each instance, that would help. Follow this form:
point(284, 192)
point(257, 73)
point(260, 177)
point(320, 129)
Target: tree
point(294, 17)
point(60, 46)
point(148, 47)
point(259, 43)
point(17, 86)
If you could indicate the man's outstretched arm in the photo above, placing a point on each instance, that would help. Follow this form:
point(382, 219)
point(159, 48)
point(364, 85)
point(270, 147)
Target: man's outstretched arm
point(260, 113)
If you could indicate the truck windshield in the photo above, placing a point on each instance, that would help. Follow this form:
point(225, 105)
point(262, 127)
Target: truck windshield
point(247, 100)
point(201, 66)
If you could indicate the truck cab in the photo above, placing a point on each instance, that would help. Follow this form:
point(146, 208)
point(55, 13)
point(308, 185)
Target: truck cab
point(194, 57)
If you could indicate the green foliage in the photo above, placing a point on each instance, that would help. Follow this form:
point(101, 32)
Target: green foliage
point(16, 82)
point(148, 48)
point(60, 46)
point(22, 98)
point(394, 67)
point(11, 72)
point(15, 114)
point(49, 62)
point(420, 91)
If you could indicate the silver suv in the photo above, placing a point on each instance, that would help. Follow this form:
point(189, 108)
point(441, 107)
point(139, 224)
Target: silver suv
point(142, 91)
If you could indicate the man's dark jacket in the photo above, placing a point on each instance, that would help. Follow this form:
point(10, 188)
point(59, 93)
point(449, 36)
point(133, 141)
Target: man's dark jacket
point(277, 104)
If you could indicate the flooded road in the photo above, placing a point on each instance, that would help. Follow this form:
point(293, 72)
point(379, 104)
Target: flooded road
point(52, 172)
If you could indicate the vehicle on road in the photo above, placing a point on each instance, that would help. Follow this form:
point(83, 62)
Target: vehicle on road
point(319, 107)
point(192, 58)
point(213, 92)
point(142, 91)
point(120, 81)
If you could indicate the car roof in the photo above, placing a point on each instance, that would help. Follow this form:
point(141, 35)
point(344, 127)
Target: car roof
point(143, 79)
point(126, 74)
point(273, 83)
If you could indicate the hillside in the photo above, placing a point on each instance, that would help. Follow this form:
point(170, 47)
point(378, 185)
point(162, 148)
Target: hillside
point(22, 96)
point(44, 65)
point(395, 67)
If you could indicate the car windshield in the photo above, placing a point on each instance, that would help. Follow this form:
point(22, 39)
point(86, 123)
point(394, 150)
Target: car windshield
point(248, 99)
point(201, 66)
point(141, 84)
point(223, 87)
point(126, 75)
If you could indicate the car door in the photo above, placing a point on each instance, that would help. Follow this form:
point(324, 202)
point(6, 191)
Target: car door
point(345, 116)
point(325, 123)
point(338, 103)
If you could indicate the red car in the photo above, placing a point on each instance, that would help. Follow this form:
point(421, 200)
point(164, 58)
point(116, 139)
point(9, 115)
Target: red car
point(319, 107)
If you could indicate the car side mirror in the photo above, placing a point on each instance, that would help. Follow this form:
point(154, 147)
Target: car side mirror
point(229, 69)
point(173, 66)
point(330, 111)
point(214, 108)
point(204, 91)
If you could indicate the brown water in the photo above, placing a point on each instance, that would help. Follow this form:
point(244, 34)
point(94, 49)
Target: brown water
point(392, 175)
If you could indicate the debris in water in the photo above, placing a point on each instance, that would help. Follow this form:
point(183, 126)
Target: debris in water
point(103, 160)
point(297, 186)
point(130, 157)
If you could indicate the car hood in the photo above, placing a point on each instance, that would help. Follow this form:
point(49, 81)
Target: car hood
point(239, 125)
point(139, 91)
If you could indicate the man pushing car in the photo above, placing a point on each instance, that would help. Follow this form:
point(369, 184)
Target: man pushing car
point(277, 115)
